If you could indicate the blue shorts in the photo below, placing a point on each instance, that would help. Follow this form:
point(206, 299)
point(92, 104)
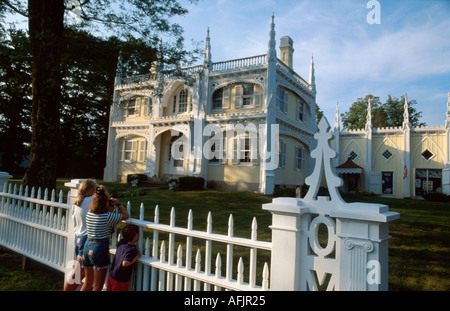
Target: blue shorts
point(80, 240)
point(96, 254)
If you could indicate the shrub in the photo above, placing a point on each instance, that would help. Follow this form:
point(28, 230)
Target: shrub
point(141, 178)
point(191, 183)
point(283, 191)
point(437, 197)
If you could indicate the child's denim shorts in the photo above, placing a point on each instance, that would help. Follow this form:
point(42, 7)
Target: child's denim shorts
point(80, 240)
point(96, 254)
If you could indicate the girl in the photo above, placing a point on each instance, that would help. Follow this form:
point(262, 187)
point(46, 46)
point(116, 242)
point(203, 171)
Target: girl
point(80, 208)
point(99, 220)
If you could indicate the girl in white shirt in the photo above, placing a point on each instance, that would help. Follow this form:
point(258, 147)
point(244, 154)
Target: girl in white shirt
point(80, 208)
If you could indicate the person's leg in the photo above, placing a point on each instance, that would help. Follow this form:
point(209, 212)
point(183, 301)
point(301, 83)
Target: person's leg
point(88, 279)
point(75, 277)
point(99, 279)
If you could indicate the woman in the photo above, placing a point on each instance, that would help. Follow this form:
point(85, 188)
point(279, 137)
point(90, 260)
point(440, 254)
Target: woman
point(99, 221)
point(80, 208)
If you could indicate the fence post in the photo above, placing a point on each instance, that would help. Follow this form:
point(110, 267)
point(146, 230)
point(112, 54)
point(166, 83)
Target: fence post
point(364, 248)
point(70, 246)
point(286, 243)
point(4, 178)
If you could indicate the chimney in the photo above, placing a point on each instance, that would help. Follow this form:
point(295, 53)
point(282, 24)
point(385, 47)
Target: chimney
point(287, 51)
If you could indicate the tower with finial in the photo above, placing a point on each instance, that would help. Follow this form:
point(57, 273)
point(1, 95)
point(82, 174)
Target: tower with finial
point(272, 52)
point(207, 64)
point(406, 123)
point(369, 125)
point(312, 75)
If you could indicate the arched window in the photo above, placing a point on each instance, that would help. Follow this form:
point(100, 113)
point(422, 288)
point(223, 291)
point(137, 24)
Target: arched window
point(181, 102)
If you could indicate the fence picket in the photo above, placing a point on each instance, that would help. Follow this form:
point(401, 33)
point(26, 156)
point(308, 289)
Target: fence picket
point(178, 277)
point(171, 250)
point(198, 262)
point(208, 250)
point(162, 273)
point(218, 270)
point(187, 281)
point(145, 285)
point(140, 246)
point(229, 264)
point(155, 249)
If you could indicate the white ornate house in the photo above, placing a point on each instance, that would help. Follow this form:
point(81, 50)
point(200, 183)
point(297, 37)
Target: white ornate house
point(261, 90)
point(154, 116)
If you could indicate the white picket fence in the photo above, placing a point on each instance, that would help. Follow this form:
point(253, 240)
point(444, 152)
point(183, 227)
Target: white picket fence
point(35, 226)
point(40, 228)
point(170, 267)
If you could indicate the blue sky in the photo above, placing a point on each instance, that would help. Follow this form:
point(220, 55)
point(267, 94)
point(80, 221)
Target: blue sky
point(408, 52)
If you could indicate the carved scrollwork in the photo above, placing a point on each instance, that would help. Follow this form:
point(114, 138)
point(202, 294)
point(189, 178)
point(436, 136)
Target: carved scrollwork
point(366, 245)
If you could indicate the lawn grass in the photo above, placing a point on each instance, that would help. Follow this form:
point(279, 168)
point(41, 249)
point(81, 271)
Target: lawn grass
point(418, 250)
point(36, 277)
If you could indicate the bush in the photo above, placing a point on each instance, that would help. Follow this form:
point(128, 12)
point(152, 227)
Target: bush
point(283, 191)
point(141, 178)
point(191, 183)
point(437, 197)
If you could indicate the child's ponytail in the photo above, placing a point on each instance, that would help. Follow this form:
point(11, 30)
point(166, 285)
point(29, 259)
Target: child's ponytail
point(86, 189)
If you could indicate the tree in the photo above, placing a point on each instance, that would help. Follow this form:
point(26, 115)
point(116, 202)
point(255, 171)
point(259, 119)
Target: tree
point(388, 114)
point(88, 70)
point(15, 98)
point(394, 109)
point(356, 117)
point(319, 114)
point(146, 19)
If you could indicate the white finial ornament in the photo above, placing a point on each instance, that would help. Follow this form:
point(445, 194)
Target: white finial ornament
point(324, 155)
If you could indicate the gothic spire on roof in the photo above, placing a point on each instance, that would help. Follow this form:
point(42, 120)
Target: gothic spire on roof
point(208, 57)
point(336, 118)
point(312, 74)
point(406, 123)
point(369, 125)
point(272, 52)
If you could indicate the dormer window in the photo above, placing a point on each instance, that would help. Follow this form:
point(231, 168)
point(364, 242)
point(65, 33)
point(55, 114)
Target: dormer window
point(132, 107)
point(247, 96)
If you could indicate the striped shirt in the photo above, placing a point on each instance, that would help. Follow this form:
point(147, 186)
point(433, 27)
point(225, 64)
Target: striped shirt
point(99, 225)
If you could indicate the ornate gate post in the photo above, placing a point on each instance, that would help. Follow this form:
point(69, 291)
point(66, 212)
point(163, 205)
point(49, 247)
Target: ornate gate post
point(354, 253)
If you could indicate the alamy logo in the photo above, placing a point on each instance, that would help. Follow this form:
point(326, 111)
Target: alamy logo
point(374, 16)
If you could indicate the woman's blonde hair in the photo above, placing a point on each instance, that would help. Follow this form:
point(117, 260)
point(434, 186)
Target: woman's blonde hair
point(85, 189)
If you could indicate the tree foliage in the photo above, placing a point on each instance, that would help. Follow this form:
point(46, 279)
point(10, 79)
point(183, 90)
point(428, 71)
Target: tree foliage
point(387, 114)
point(54, 97)
point(88, 71)
point(15, 98)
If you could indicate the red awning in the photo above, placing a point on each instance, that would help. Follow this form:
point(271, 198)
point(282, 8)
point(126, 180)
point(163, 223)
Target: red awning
point(349, 167)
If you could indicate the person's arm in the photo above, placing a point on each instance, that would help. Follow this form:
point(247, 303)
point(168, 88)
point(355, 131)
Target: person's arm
point(122, 209)
point(129, 263)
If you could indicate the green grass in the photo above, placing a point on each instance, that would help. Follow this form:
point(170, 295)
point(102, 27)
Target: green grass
point(418, 250)
point(36, 277)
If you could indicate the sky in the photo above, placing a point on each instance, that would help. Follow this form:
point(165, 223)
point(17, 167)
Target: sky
point(407, 52)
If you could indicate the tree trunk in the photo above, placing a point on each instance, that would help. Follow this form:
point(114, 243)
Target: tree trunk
point(46, 25)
